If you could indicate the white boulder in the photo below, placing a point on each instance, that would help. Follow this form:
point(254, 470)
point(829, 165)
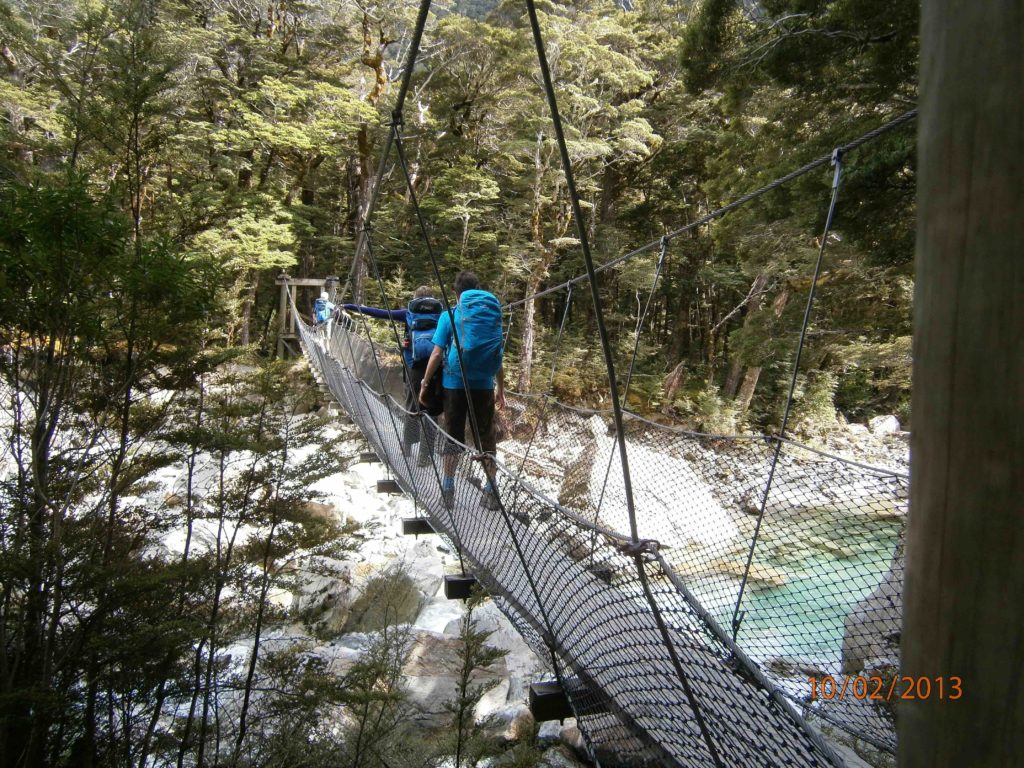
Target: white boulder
point(884, 425)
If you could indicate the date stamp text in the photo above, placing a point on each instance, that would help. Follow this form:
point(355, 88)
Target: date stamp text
point(877, 688)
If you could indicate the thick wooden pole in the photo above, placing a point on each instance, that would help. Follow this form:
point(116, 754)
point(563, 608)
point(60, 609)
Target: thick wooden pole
point(282, 316)
point(964, 590)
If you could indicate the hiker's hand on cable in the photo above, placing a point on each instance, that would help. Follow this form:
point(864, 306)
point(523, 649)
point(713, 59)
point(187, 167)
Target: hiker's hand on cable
point(499, 399)
point(424, 390)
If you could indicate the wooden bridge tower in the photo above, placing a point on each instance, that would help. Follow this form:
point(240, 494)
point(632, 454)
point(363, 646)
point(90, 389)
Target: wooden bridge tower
point(287, 322)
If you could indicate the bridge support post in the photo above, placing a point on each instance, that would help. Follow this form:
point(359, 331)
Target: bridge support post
point(287, 321)
point(416, 526)
point(282, 315)
point(548, 701)
point(459, 587)
point(964, 559)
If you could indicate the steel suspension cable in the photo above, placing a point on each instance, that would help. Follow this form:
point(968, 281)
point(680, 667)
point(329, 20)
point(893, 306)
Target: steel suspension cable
point(718, 213)
point(454, 527)
point(383, 393)
point(406, 369)
point(396, 126)
point(641, 317)
point(410, 415)
point(508, 328)
point(581, 229)
point(400, 150)
point(403, 90)
point(362, 391)
point(362, 242)
point(837, 161)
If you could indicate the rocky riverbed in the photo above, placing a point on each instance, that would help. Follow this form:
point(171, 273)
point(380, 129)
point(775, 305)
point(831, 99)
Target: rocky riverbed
point(334, 612)
point(827, 526)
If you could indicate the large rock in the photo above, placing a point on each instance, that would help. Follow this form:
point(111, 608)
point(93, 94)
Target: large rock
point(323, 598)
point(341, 596)
point(423, 564)
point(871, 632)
point(560, 757)
point(572, 737)
point(679, 509)
point(884, 425)
point(511, 723)
point(548, 734)
point(431, 674)
point(386, 599)
point(320, 511)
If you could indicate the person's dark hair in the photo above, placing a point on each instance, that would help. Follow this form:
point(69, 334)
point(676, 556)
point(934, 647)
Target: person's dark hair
point(465, 281)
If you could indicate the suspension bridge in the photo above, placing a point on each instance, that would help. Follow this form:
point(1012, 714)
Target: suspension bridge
point(635, 628)
point(700, 605)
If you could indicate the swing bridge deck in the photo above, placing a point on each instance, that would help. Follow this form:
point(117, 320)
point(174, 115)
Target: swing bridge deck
point(651, 673)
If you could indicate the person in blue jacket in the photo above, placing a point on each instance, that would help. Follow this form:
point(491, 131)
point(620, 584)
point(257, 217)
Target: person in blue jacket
point(477, 316)
point(420, 319)
point(323, 309)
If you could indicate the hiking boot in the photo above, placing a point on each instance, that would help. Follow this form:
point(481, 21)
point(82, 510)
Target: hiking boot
point(491, 501)
point(448, 498)
point(423, 459)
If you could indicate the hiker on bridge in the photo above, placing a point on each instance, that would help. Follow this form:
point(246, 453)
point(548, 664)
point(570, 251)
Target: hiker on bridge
point(420, 319)
point(323, 309)
point(477, 318)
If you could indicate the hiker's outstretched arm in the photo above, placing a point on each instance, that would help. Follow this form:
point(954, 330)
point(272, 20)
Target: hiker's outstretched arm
point(382, 314)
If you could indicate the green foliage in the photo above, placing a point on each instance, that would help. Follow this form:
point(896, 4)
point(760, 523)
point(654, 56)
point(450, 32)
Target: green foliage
point(163, 163)
point(374, 696)
point(258, 238)
point(709, 412)
point(466, 742)
point(814, 410)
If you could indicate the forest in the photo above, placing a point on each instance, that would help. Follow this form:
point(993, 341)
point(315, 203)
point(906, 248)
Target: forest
point(163, 161)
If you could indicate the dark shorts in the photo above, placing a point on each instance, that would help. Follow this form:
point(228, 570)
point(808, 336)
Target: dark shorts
point(456, 417)
point(435, 396)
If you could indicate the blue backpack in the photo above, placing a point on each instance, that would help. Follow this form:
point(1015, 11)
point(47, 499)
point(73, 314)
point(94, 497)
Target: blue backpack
point(322, 309)
point(420, 322)
point(478, 324)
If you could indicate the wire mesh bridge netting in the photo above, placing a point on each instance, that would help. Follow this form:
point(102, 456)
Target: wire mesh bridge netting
point(745, 620)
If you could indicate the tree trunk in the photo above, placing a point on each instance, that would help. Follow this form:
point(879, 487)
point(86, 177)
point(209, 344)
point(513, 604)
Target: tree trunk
point(674, 381)
point(529, 335)
point(746, 393)
point(732, 379)
point(545, 258)
point(247, 306)
point(361, 179)
point(528, 338)
point(261, 610)
point(964, 619)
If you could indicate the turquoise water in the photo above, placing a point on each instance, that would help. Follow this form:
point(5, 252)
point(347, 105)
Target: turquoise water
point(830, 563)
